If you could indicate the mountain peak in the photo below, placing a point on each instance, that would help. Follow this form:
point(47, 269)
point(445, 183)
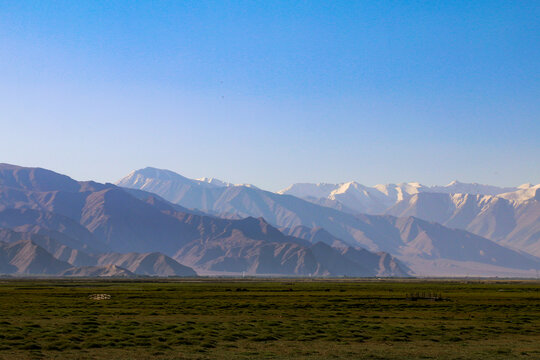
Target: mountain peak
point(525, 186)
point(162, 174)
point(214, 181)
point(35, 178)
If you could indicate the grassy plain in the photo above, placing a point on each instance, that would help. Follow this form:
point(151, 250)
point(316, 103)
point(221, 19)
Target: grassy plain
point(279, 319)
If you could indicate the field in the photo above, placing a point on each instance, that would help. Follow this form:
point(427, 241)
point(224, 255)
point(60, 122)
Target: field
point(278, 319)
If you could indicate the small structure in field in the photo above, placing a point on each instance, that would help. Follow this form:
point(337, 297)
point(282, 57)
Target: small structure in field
point(99, 297)
point(424, 296)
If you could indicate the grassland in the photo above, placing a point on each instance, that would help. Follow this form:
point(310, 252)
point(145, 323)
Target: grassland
point(269, 319)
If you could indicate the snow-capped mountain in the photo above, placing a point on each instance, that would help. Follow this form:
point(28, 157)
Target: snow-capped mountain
point(509, 216)
point(379, 198)
point(215, 182)
point(511, 219)
point(523, 193)
point(219, 183)
point(456, 187)
point(354, 196)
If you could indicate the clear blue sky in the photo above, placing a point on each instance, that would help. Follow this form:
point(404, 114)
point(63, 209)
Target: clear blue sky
point(274, 92)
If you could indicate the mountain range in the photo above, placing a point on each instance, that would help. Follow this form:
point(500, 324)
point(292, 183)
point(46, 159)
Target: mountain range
point(158, 223)
point(54, 225)
point(358, 198)
point(508, 216)
point(425, 245)
point(510, 219)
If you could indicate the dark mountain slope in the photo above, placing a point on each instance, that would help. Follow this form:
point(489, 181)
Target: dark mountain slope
point(127, 224)
point(61, 228)
point(433, 241)
point(133, 221)
point(146, 264)
point(35, 179)
point(97, 271)
point(60, 251)
point(375, 232)
point(153, 264)
point(510, 223)
point(314, 235)
point(25, 257)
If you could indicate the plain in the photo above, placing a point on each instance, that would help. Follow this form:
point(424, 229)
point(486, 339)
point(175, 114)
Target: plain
point(269, 319)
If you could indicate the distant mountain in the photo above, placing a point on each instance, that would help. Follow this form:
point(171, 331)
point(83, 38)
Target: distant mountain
point(255, 247)
point(65, 230)
point(97, 271)
point(352, 196)
point(57, 249)
point(433, 241)
point(214, 182)
point(280, 210)
point(172, 186)
point(133, 226)
point(165, 182)
point(524, 192)
point(26, 258)
point(35, 179)
point(99, 216)
point(456, 187)
point(511, 219)
point(381, 261)
point(357, 198)
point(314, 235)
point(509, 216)
point(154, 264)
point(376, 233)
point(85, 224)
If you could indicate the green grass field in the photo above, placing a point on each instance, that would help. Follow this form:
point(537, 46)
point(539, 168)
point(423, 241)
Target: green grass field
point(285, 319)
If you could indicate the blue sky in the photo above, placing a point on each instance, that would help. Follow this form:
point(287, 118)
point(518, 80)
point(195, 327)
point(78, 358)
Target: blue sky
point(274, 92)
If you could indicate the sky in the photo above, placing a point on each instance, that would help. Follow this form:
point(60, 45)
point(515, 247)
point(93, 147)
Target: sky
point(274, 92)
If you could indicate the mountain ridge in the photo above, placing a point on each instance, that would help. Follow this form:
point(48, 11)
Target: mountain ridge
point(374, 232)
point(136, 221)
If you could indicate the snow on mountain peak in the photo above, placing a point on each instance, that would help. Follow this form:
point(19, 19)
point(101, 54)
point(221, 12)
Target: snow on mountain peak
point(214, 181)
point(469, 188)
point(522, 194)
point(303, 190)
point(348, 186)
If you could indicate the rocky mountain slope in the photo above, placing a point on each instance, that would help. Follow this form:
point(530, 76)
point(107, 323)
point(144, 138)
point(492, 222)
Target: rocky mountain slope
point(97, 271)
point(103, 218)
point(376, 233)
point(40, 249)
point(25, 257)
point(509, 219)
